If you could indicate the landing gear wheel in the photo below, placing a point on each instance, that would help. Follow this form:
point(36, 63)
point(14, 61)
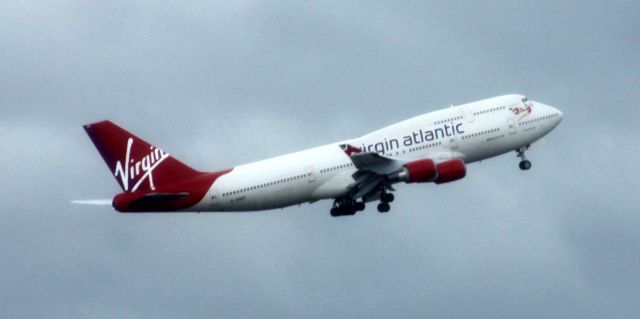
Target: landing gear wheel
point(345, 207)
point(525, 165)
point(383, 207)
point(387, 197)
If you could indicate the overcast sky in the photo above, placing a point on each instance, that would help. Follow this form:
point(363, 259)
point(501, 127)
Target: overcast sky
point(220, 84)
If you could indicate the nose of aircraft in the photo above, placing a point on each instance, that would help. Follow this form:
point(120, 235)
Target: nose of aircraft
point(559, 113)
point(556, 114)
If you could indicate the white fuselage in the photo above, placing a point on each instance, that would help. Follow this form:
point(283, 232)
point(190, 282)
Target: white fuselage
point(471, 132)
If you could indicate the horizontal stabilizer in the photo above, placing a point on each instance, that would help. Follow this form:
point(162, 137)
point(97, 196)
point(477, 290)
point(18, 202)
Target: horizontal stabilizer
point(157, 198)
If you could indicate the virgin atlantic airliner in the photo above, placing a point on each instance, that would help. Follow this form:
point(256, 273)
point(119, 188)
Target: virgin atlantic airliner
point(434, 147)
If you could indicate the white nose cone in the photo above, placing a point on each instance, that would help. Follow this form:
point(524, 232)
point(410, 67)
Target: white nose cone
point(560, 115)
point(557, 115)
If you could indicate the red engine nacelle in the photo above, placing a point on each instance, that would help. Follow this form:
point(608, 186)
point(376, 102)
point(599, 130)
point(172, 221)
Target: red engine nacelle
point(420, 171)
point(451, 170)
point(425, 170)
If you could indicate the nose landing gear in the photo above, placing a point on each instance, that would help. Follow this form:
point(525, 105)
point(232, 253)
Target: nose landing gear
point(525, 164)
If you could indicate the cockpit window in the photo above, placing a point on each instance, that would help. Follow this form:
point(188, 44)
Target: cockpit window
point(524, 99)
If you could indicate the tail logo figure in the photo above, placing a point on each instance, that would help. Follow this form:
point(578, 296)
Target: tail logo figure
point(141, 169)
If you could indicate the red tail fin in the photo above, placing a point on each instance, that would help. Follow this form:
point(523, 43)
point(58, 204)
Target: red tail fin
point(136, 164)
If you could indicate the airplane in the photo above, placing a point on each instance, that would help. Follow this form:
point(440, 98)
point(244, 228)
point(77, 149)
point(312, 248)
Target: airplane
point(435, 147)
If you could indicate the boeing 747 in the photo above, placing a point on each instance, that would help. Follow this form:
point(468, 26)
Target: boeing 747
point(435, 147)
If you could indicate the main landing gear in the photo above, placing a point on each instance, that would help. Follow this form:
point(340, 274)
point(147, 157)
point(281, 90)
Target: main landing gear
point(525, 164)
point(346, 207)
point(385, 199)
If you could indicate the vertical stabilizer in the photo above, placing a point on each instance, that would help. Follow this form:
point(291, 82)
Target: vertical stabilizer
point(136, 164)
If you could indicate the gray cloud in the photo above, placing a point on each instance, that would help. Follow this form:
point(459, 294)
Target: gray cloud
point(218, 84)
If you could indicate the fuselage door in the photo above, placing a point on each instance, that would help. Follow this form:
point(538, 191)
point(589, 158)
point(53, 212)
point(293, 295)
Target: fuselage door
point(453, 143)
point(215, 199)
point(468, 114)
point(310, 175)
point(511, 125)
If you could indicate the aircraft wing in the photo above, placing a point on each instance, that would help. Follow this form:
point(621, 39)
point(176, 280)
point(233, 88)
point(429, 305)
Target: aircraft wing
point(376, 173)
point(373, 171)
point(375, 162)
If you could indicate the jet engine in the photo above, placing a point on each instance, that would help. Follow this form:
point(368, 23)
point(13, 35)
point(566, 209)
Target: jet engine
point(451, 170)
point(426, 170)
